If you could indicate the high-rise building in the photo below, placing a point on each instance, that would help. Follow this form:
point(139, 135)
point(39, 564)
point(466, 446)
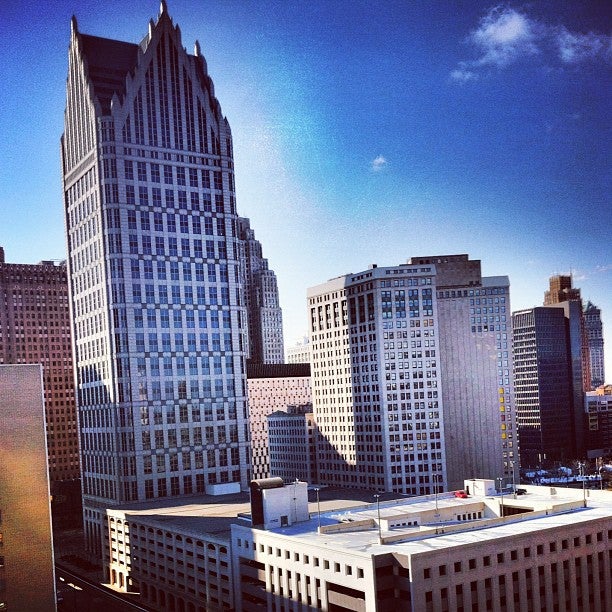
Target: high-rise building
point(27, 580)
point(153, 260)
point(411, 376)
point(561, 291)
point(272, 387)
point(594, 329)
point(264, 314)
point(543, 386)
point(475, 359)
point(35, 328)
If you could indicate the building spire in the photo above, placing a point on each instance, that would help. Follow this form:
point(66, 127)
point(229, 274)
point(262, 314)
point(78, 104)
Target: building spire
point(196, 49)
point(163, 8)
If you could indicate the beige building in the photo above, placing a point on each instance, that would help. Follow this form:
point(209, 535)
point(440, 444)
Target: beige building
point(27, 575)
point(272, 387)
point(543, 548)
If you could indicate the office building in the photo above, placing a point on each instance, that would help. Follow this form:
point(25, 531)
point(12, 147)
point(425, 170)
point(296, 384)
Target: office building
point(412, 376)
point(154, 273)
point(292, 444)
point(35, 328)
point(27, 579)
point(543, 387)
point(560, 289)
point(594, 330)
point(475, 358)
point(272, 387)
point(264, 314)
point(598, 407)
point(299, 352)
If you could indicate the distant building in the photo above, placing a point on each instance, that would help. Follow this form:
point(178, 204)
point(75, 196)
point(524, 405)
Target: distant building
point(273, 387)
point(594, 329)
point(545, 411)
point(560, 292)
point(35, 328)
point(598, 407)
point(292, 444)
point(299, 352)
point(27, 575)
point(264, 314)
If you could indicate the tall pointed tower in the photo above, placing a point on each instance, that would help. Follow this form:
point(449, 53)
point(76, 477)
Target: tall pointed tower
point(155, 292)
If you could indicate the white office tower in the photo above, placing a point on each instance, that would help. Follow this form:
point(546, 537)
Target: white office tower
point(155, 295)
point(411, 375)
point(376, 388)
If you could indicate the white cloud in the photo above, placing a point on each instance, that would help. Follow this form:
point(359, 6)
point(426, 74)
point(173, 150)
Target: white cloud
point(378, 163)
point(574, 47)
point(463, 75)
point(506, 35)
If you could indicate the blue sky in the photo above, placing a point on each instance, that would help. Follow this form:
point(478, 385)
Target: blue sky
point(364, 132)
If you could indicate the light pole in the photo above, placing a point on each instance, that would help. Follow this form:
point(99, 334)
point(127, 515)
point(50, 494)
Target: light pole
point(582, 472)
point(318, 510)
point(377, 498)
point(513, 479)
point(501, 489)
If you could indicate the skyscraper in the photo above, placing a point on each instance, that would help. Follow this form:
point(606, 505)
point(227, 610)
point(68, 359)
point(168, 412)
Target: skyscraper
point(157, 303)
point(545, 412)
point(411, 377)
point(264, 315)
point(35, 328)
point(594, 330)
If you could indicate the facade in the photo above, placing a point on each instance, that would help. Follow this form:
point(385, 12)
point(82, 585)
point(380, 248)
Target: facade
point(264, 314)
point(154, 272)
point(475, 357)
point(560, 290)
point(292, 444)
point(299, 352)
point(598, 407)
point(35, 328)
point(594, 329)
point(412, 378)
point(27, 575)
point(543, 386)
point(272, 387)
point(543, 550)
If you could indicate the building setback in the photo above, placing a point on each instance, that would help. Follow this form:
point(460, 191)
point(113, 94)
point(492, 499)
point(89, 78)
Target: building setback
point(35, 329)
point(264, 314)
point(273, 387)
point(27, 575)
point(153, 259)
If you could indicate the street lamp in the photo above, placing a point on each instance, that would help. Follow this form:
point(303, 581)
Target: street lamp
point(582, 473)
point(501, 489)
point(318, 509)
point(377, 498)
point(513, 478)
